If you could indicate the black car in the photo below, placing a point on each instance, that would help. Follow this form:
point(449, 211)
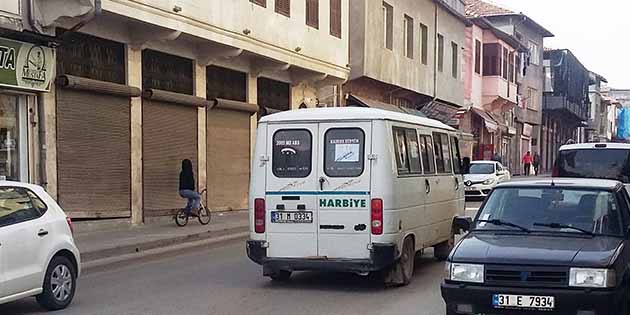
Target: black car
point(558, 246)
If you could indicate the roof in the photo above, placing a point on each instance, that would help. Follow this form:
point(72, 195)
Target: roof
point(576, 183)
point(351, 113)
point(479, 8)
point(600, 145)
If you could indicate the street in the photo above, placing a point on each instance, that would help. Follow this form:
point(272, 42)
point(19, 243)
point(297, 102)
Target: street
point(222, 280)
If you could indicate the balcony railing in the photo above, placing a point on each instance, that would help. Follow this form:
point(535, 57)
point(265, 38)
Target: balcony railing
point(578, 112)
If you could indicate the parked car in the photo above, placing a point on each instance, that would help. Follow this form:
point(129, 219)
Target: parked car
point(38, 256)
point(560, 246)
point(594, 160)
point(353, 189)
point(483, 176)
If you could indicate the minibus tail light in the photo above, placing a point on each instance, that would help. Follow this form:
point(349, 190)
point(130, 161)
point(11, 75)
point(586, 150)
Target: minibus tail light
point(259, 215)
point(377, 216)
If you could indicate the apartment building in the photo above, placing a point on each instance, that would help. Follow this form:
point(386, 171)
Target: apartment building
point(407, 55)
point(141, 85)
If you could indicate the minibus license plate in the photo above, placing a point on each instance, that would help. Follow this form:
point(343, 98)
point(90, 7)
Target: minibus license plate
point(523, 301)
point(291, 217)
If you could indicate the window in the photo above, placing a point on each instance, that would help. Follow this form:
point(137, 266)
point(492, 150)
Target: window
point(477, 57)
point(595, 163)
point(262, 3)
point(19, 205)
point(457, 158)
point(226, 83)
point(534, 53)
point(455, 64)
point(512, 68)
point(335, 18)
point(283, 7)
point(344, 152)
point(532, 98)
point(428, 156)
point(491, 59)
point(408, 37)
point(292, 153)
point(388, 26)
point(400, 149)
point(442, 153)
point(505, 63)
point(407, 151)
point(440, 53)
point(425, 43)
point(312, 13)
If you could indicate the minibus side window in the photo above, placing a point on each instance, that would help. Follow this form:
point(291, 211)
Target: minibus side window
point(292, 153)
point(439, 155)
point(428, 158)
point(344, 152)
point(457, 158)
point(400, 149)
point(446, 154)
point(413, 149)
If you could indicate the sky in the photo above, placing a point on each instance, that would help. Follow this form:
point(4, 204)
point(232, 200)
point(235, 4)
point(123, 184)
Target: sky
point(597, 32)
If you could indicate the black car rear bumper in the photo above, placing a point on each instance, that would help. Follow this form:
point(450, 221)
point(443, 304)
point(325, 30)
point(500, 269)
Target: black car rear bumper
point(381, 256)
point(567, 301)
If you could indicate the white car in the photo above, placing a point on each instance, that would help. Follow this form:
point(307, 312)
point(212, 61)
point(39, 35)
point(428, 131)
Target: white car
point(38, 256)
point(483, 176)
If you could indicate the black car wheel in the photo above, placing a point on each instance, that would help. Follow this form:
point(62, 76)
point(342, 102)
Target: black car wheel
point(59, 284)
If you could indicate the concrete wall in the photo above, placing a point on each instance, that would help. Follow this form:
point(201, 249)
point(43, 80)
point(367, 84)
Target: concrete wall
point(473, 81)
point(11, 14)
point(251, 27)
point(369, 57)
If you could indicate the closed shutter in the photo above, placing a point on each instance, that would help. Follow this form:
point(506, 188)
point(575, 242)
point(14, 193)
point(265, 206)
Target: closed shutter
point(262, 3)
point(228, 163)
point(312, 13)
point(283, 7)
point(94, 160)
point(169, 135)
point(335, 18)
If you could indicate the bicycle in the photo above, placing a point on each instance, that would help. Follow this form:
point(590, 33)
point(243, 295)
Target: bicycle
point(202, 214)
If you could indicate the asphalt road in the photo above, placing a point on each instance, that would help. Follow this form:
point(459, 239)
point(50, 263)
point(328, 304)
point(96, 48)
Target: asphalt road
point(222, 280)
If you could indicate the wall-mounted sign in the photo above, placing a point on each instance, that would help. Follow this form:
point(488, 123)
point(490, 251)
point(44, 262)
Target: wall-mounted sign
point(26, 66)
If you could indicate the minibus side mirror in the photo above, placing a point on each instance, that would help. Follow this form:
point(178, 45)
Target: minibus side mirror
point(462, 224)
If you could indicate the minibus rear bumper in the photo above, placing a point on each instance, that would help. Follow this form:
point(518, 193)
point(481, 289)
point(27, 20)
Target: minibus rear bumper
point(381, 256)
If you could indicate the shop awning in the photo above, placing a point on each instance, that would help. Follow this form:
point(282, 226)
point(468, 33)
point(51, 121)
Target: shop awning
point(489, 122)
point(439, 111)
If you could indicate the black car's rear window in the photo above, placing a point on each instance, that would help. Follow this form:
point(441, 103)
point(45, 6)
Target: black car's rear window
point(292, 153)
point(594, 163)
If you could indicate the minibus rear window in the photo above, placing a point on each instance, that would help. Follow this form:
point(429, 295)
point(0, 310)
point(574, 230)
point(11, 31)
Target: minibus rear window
point(344, 152)
point(594, 163)
point(292, 153)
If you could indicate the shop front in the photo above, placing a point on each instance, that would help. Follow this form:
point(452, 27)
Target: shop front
point(26, 69)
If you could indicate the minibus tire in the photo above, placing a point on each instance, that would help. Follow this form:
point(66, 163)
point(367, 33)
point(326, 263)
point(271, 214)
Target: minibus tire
point(442, 250)
point(407, 264)
point(280, 276)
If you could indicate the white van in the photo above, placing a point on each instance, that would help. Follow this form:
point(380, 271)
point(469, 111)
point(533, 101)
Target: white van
point(352, 189)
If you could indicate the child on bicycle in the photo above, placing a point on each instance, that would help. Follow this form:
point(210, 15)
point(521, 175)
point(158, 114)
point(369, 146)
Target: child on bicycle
point(187, 186)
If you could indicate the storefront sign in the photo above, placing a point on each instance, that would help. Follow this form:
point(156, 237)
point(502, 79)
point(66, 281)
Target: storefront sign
point(25, 66)
point(527, 130)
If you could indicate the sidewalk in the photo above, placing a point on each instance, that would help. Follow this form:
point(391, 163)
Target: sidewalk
point(128, 241)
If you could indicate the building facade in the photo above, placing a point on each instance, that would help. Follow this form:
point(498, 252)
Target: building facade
point(596, 129)
point(142, 85)
point(491, 78)
point(528, 113)
point(407, 54)
point(565, 103)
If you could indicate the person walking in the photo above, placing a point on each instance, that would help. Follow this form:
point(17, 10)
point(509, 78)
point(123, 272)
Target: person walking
point(496, 157)
point(527, 162)
point(536, 163)
point(187, 186)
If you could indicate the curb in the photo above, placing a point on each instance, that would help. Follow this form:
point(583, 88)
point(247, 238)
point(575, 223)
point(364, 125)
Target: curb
point(100, 254)
point(111, 261)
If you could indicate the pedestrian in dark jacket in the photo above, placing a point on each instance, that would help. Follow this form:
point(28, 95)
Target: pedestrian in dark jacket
point(187, 186)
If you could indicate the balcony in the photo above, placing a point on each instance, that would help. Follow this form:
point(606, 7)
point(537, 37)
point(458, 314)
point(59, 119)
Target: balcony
point(496, 87)
point(570, 110)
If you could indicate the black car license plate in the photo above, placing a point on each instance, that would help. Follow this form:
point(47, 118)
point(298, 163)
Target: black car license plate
point(292, 217)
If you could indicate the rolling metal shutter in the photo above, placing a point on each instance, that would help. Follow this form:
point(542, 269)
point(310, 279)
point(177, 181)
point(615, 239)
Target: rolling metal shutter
point(93, 145)
point(228, 150)
point(169, 127)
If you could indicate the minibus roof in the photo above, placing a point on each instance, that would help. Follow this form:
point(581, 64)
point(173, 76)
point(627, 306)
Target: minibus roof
point(351, 113)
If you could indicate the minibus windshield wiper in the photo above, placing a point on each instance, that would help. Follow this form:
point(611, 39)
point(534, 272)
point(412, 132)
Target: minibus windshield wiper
point(564, 226)
point(504, 223)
